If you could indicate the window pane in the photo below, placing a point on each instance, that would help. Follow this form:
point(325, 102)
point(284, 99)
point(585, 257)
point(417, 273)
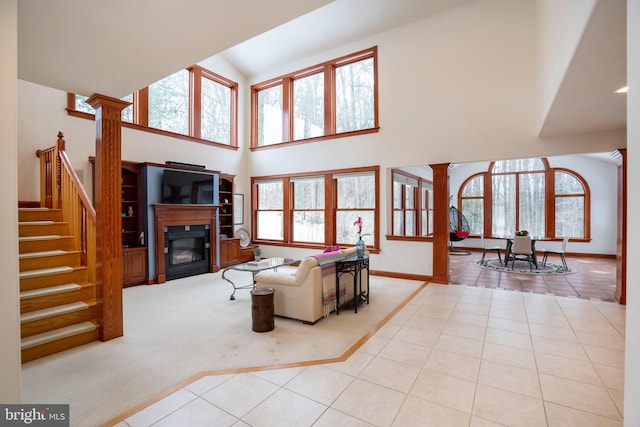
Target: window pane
point(127, 113)
point(81, 104)
point(308, 226)
point(474, 188)
point(215, 112)
point(308, 193)
point(356, 191)
point(346, 232)
point(397, 195)
point(308, 106)
point(270, 195)
point(169, 103)
point(409, 199)
point(473, 210)
point(270, 225)
point(567, 184)
point(531, 202)
point(398, 223)
point(503, 205)
point(270, 116)
point(410, 219)
point(518, 165)
point(354, 96)
point(570, 216)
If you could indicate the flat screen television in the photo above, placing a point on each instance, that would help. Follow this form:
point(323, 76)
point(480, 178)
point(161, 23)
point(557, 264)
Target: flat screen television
point(184, 187)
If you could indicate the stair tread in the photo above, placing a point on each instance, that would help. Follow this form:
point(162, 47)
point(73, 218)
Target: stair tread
point(49, 290)
point(57, 334)
point(42, 253)
point(45, 237)
point(33, 209)
point(53, 311)
point(45, 271)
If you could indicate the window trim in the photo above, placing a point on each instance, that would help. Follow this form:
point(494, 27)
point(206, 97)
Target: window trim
point(141, 110)
point(328, 68)
point(330, 207)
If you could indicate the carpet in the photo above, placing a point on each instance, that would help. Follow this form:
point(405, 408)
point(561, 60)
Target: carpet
point(522, 267)
point(185, 327)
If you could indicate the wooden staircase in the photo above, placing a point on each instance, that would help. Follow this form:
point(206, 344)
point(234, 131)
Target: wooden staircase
point(58, 307)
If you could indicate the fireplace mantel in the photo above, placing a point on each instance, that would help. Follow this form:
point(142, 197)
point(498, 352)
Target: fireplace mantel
point(167, 215)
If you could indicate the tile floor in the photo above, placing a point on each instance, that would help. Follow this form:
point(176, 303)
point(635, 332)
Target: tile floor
point(593, 277)
point(453, 356)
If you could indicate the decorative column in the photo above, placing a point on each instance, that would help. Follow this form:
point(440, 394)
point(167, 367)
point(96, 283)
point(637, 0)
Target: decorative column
point(107, 196)
point(440, 223)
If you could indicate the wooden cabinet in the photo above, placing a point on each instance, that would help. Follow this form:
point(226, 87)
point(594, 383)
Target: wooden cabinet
point(230, 251)
point(226, 206)
point(134, 266)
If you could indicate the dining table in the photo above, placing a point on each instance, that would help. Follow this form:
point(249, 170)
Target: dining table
point(509, 240)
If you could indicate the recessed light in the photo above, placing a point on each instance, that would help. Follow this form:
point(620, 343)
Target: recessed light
point(624, 89)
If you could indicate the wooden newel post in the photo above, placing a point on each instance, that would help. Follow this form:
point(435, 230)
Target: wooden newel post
point(107, 198)
point(440, 223)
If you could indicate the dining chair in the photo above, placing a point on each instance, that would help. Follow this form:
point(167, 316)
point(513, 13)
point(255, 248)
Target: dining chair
point(486, 248)
point(560, 252)
point(522, 250)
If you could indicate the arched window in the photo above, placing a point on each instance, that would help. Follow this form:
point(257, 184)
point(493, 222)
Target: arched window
point(526, 194)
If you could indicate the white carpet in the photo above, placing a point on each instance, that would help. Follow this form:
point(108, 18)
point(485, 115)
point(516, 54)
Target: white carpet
point(187, 326)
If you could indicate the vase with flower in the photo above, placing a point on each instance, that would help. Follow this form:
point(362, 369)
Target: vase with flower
point(360, 246)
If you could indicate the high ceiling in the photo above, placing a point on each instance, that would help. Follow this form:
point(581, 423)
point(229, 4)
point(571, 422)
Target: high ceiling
point(117, 47)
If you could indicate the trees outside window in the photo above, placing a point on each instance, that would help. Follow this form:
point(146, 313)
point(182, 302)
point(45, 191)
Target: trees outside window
point(327, 100)
point(526, 194)
point(308, 209)
point(269, 212)
point(308, 107)
point(356, 197)
point(317, 209)
point(194, 104)
point(169, 103)
point(269, 120)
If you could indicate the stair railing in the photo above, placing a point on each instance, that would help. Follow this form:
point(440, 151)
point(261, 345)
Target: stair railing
point(60, 188)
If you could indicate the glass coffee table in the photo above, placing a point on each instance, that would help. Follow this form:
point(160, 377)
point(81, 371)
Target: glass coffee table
point(254, 267)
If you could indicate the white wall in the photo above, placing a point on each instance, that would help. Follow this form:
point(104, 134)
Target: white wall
point(560, 27)
point(632, 351)
point(9, 285)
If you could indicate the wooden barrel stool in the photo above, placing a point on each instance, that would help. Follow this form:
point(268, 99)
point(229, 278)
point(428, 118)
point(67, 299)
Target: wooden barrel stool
point(262, 311)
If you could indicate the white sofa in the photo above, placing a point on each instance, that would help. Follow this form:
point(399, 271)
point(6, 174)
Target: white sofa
point(298, 295)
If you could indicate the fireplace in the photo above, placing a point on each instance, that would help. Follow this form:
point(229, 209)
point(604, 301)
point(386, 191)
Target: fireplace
point(191, 227)
point(186, 250)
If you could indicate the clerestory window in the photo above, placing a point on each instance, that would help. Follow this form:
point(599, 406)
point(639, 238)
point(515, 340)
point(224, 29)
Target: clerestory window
point(194, 103)
point(328, 100)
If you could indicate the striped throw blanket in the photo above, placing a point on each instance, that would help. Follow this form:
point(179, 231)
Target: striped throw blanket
point(327, 262)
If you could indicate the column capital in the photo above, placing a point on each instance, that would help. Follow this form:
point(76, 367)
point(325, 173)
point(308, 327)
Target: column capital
point(102, 101)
